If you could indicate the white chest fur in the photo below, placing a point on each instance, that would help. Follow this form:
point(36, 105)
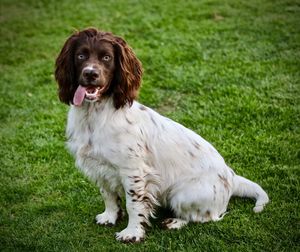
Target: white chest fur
point(88, 140)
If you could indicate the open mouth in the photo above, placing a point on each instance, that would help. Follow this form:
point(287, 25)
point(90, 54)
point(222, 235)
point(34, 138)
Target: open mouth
point(90, 93)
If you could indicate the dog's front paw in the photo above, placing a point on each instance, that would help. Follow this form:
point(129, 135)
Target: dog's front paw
point(131, 235)
point(108, 218)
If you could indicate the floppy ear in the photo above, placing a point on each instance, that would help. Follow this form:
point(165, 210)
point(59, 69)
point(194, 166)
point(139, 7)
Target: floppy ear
point(65, 70)
point(128, 75)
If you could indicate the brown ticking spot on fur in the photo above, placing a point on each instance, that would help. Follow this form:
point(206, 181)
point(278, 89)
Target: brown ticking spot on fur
point(152, 119)
point(166, 222)
point(170, 220)
point(136, 177)
point(196, 145)
point(215, 192)
point(144, 224)
point(224, 181)
point(127, 120)
point(142, 132)
point(207, 214)
point(129, 148)
point(141, 215)
point(192, 154)
point(147, 148)
point(131, 193)
point(140, 197)
point(146, 199)
point(143, 108)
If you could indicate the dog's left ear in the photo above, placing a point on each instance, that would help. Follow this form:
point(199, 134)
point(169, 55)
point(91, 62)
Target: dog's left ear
point(128, 74)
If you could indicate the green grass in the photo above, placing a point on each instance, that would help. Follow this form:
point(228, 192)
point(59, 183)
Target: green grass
point(230, 70)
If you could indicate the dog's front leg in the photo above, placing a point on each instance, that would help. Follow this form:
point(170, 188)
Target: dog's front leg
point(138, 207)
point(113, 210)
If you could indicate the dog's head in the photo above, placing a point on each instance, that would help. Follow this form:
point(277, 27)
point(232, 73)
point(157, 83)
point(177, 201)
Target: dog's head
point(94, 64)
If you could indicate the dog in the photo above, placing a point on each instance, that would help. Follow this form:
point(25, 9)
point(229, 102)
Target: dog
point(127, 148)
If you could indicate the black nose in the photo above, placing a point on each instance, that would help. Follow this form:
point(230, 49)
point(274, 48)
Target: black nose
point(90, 74)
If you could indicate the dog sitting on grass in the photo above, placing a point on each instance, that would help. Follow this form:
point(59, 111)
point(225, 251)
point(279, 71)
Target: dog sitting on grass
point(128, 149)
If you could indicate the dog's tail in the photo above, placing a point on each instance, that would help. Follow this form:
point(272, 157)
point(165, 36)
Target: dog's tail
point(245, 188)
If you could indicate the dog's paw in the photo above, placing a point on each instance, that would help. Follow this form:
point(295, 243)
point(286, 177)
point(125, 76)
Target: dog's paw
point(173, 223)
point(131, 235)
point(107, 219)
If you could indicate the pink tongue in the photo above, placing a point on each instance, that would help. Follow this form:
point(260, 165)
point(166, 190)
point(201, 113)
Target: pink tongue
point(79, 95)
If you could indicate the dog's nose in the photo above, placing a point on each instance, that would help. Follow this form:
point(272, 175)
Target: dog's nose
point(90, 73)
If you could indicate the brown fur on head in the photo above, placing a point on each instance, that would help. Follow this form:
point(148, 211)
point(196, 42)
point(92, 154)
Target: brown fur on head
point(122, 76)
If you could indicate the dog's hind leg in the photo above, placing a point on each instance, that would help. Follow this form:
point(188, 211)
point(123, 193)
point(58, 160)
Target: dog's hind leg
point(197, 199)
point(173, 223)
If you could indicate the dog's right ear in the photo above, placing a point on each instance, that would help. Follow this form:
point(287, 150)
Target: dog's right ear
point(65, 70)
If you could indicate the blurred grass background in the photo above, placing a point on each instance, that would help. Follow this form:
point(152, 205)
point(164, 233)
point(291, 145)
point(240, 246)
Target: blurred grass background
point(229, 70)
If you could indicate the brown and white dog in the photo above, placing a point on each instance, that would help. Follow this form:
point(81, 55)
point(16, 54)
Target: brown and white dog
point(127, 148)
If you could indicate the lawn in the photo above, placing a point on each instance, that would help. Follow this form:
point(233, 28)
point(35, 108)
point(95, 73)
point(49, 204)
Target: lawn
point(229, 70)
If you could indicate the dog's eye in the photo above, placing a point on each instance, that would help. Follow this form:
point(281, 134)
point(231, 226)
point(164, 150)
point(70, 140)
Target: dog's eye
point(80, 56)
point(106, 58)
